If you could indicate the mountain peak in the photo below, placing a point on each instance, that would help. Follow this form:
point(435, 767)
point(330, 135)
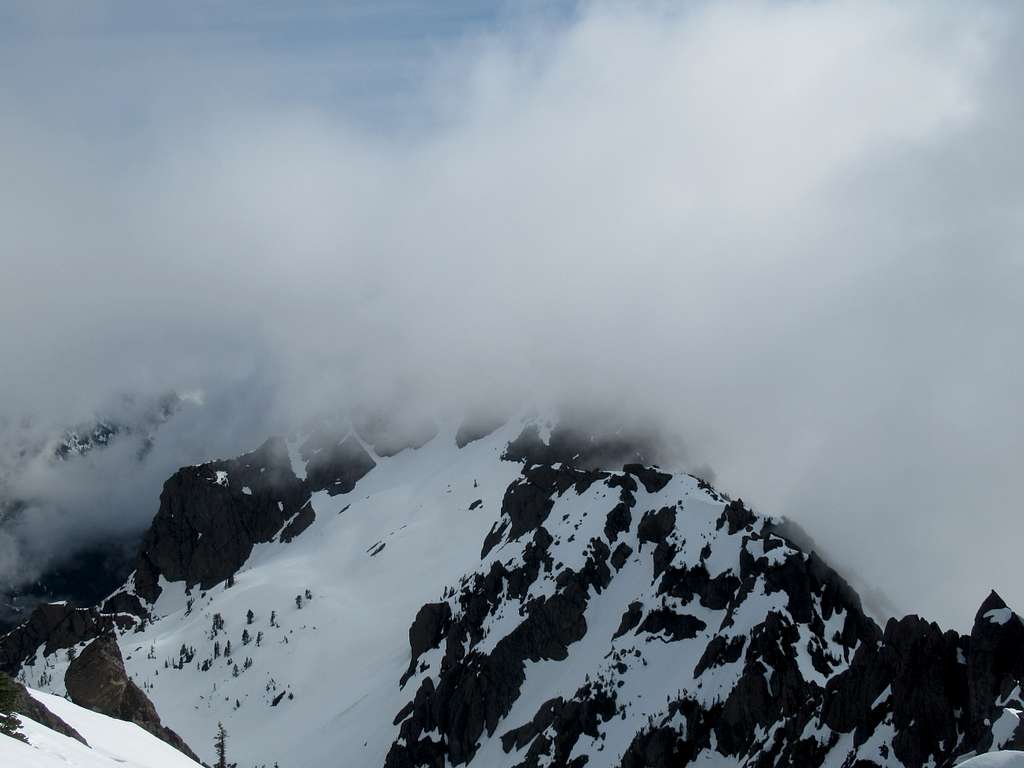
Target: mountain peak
point(520, 599)
point(993, 602)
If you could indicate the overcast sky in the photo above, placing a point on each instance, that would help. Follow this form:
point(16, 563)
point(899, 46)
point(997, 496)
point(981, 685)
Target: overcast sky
point(789, 232)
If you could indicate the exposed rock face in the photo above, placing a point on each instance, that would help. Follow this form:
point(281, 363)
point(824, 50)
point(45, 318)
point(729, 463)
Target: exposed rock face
point(336, 467)
point(429, 627)
point(581, 448)
point(125, 602)
point(995, 660)
point(299, 523)
point(54, 626)
point(96, 679)
point(27, 706)
point(477, 689)
point(212, 515)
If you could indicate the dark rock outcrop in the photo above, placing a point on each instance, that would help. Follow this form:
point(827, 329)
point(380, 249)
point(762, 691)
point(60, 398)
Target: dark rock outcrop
point(475, 689)
point(52, 627)
point(528, 501)
point(28, 707)
point(337, 467)
point(212, 515)
point(674, 626)
point(618, 520)
point(655, 526)
point(630, 619)
point(736, 516)
point(429, 628)
point(299, 523)
point(996, 654)
point(652, 480)
point(125, 602)
point(96, 679)
point(578, 447)
point(559, 724)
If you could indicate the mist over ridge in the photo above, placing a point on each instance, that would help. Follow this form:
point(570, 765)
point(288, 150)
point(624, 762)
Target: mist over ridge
point(788, 235)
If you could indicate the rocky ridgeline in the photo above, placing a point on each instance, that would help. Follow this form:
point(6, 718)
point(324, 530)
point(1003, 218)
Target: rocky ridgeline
point(673, 624)
point(212, 515)
point(737, 644)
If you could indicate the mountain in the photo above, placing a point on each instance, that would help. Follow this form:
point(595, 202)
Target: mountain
point(516, 593)
point(129, 417)
point(87, 740)
point(89, 571)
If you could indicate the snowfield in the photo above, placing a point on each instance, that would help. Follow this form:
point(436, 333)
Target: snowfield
point(112, 743)
point(995, 760)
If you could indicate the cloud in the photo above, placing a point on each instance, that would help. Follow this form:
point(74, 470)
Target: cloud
point(787, 232)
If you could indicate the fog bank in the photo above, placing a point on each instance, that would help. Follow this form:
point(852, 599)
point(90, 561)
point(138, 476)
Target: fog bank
point(788, 233)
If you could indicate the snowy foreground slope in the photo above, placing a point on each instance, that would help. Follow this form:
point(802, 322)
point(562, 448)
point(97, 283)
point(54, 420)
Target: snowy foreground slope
point(111, 743)
point(352, 601)
point(995, 760)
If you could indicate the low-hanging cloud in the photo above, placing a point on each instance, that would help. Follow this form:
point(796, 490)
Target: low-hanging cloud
point(789, 233)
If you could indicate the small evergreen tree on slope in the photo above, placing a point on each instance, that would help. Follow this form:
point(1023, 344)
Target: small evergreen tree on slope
point(220, 744)
point(9, 723)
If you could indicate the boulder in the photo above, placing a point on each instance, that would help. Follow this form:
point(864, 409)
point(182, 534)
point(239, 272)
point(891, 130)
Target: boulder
point(96, 679)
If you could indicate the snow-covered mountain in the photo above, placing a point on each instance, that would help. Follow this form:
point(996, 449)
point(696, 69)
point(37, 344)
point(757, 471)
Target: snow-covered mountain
point(82, 570)
point(129, 417)
point(516, 594)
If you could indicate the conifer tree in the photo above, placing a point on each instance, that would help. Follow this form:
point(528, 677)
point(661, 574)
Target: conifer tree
point(9, 724)
point(220, 744)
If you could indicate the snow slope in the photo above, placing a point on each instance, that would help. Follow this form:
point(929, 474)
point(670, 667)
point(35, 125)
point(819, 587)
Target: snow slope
point(995, 760)
point(112, 743)
point(456, 607)
point(336, 660)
